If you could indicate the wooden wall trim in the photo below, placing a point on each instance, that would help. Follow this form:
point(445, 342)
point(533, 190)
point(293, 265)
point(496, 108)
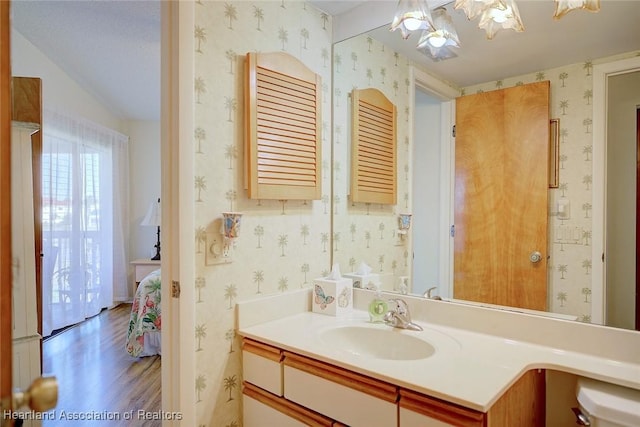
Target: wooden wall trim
point(370, 386)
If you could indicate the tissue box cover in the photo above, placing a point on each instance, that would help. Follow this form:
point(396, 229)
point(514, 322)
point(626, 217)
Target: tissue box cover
point(332, 297)
point(364, 281)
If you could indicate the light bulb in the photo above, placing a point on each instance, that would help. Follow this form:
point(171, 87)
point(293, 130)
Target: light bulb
point(437, 40)
point(412, 24)
point(500, 15)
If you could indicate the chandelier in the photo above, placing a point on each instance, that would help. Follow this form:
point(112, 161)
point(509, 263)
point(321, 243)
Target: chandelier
point(439, 38)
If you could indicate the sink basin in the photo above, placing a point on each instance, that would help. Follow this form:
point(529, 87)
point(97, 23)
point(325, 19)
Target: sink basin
point(392, 344)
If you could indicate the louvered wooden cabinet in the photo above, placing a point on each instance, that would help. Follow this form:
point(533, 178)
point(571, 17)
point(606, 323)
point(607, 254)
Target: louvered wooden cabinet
point(283, 128)
point(373, 148)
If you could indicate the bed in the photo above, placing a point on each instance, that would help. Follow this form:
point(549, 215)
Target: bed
point(143, 334)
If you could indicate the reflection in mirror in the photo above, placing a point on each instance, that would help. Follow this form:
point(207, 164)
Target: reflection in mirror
point(369, 232)
point(429, 196)
point(623, 98)
point(373, 148)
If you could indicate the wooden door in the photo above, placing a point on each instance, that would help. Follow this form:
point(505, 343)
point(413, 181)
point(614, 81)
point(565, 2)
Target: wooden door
point(5, 209)
point(501, 184)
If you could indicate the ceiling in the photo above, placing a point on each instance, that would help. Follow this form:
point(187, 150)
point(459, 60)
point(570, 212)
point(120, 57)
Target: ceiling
point(112, 48)
point(545, 44)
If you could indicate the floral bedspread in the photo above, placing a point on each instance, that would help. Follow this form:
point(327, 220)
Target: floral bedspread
point(145, 313)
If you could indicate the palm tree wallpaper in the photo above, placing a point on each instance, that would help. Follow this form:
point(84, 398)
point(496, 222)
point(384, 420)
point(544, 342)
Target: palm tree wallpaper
point(277, 237)
point(284, 245)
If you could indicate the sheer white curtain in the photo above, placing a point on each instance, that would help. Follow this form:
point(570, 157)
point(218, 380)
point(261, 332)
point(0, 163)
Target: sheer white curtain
point(84, 215)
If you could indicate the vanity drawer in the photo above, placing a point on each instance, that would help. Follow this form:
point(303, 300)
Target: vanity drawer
point(348, 397)
point(261, 366)
point(261, 408)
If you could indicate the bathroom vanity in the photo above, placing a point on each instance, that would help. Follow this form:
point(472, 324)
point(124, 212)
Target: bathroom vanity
point(282, 388)
point(470, 366)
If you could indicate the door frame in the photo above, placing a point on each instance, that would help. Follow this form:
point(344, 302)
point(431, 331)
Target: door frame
point(6, 345)
point(601, 73)
point(637, 317)
point(177, 194)
point(447, 96)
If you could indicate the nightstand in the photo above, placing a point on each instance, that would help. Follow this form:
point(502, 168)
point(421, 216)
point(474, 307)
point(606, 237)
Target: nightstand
point(142, 267)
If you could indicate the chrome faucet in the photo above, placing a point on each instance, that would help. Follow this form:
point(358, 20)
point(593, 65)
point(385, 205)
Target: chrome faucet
point(400, 317)
point(427, 294)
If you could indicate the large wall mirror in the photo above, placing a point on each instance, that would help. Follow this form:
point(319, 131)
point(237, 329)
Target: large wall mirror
point(369, 232)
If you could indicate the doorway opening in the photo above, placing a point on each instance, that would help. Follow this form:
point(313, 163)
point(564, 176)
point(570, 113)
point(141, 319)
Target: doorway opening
point(426, 194)
point(615, 197)
point(623, 98)
point(94, 335)
point(434, 145)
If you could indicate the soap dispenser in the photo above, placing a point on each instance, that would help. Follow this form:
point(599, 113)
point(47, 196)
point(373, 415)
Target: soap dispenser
point(377, 307)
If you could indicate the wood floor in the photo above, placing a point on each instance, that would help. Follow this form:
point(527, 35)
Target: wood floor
point(96, 375)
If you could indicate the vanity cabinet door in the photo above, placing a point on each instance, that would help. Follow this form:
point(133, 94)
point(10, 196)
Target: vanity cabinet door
point(261, 366)
point(523, 404)
point(345, 396)
point(418, 410)
point(261, 408)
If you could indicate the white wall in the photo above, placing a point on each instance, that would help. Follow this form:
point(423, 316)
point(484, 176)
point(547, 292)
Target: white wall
point(144, 172)
point(59, 91)
point(623, 101)
point(426, 195)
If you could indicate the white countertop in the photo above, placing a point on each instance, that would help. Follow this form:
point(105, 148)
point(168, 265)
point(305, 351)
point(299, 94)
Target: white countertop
point(468, 368)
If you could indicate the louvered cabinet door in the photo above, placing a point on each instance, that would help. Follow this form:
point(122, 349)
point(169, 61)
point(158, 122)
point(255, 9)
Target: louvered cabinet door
point(283, 124)
point(374, 151)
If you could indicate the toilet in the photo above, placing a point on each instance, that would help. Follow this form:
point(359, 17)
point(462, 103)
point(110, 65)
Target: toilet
point(608, 405)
